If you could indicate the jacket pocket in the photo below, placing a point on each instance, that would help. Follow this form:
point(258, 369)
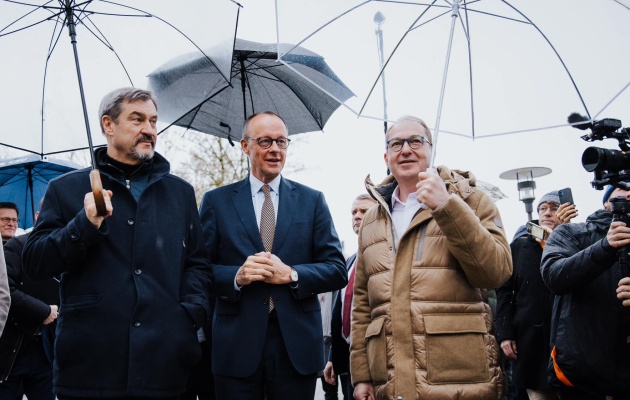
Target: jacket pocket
point(377, 350)
point(456, 352)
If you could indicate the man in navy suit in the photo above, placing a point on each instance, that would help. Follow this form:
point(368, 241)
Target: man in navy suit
point(267, 337)
point(339, 360)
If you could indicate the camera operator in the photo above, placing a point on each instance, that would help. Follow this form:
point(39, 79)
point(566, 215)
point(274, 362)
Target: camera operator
point(590, 334)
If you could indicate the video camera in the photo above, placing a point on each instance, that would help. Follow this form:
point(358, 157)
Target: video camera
point(609, 166)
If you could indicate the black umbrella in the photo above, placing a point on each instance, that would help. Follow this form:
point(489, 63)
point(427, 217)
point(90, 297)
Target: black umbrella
point(191, 96)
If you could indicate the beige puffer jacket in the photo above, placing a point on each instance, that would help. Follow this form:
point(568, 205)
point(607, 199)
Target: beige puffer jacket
point(420, 328)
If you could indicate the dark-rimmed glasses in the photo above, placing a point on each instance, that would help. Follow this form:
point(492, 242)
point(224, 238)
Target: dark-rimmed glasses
point(415, 142)
point(266, 142)
point(6, 220)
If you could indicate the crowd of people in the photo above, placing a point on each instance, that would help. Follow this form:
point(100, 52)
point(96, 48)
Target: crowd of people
point(133, 292)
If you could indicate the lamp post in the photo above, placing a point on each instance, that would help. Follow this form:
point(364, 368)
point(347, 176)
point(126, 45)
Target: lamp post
point(525, 184)
point(379, 18)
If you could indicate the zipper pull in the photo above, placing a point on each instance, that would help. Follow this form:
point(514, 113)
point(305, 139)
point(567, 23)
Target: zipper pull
point(128, 187)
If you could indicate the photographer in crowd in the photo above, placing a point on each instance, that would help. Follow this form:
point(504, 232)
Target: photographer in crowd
point(590, 332)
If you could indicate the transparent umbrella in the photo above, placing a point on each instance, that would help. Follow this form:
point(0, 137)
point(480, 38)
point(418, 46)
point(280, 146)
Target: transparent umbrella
point(477, 68)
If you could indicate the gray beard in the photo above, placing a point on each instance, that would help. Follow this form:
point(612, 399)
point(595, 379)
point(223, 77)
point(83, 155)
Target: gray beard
point(142, 156)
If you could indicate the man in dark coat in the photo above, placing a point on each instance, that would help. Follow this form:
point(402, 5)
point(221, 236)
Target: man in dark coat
point(267, 339)
point(524, 308)
point(134, 281)
point(590, 332)
point(339, 358)
point(26, 344)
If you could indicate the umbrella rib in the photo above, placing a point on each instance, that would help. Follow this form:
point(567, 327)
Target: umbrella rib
point(392, 54)
point(295, 46)
point(26, 15)
point(178, 30)
point(557, 55)
point(466, 28)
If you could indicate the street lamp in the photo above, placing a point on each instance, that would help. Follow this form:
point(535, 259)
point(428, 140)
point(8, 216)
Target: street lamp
point(379, 19)
point(525, 184)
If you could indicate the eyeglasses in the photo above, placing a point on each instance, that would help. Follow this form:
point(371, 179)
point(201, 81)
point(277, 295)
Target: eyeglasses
point(265, 142)
point(415, 142)
point(6, 220)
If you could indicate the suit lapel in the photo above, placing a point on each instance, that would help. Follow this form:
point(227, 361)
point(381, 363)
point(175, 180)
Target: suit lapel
point(286, 212)
point(244, 205)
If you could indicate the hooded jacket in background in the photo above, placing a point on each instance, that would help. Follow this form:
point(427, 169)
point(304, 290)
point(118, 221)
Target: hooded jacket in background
point(420, 327)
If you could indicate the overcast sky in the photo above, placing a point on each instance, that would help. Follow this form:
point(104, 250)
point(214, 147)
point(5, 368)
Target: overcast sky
point(522, 88)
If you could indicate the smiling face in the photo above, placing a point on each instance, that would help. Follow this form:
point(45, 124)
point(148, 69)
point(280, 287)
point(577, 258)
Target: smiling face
point(131, 138)
point(407, 163)
point(8, 223)
point(266, 164)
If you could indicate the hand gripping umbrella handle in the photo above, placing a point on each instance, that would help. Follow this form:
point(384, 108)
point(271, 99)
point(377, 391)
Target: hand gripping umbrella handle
point(97, 191)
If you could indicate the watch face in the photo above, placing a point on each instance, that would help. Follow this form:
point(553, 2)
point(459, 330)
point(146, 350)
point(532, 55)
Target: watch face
point(294, 276)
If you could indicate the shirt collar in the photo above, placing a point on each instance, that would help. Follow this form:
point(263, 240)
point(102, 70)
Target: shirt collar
point(256, 184)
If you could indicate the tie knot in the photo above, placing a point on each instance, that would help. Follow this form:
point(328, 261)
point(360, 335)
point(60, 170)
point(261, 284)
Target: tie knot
point(266, 189)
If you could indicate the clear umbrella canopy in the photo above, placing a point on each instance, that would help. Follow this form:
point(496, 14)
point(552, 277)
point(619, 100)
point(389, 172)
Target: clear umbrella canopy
point(472, 68)
point(118, 44)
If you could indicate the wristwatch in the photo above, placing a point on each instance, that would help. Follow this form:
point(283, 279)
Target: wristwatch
point(294, 275)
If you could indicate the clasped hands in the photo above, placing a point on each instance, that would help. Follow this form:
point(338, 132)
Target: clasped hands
point(265, 267)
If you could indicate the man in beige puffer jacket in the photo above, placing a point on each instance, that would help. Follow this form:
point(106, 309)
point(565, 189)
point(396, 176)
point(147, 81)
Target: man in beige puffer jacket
point(421, 329)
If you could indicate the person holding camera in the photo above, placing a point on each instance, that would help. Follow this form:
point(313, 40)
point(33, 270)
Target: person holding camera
point(590, 325)
point(524, 305)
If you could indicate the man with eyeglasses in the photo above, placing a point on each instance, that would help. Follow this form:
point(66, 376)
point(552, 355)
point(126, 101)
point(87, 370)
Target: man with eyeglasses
point(273, 249)
point(420, 326)
point(9, 214)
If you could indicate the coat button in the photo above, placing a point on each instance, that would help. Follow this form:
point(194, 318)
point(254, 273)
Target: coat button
point(130, 221)
point(74, 236)
point(136, 324)
point(137, 271)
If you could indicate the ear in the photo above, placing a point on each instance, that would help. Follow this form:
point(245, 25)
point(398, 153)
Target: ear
point(107, 123)
point(385, 158)
point(245, 146)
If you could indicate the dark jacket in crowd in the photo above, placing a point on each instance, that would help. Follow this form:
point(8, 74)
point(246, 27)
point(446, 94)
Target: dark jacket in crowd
point(30, 306)
point(133, 292)
point(524, 313)
point(589, 326)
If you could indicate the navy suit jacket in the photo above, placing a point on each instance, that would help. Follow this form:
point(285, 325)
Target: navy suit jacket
point(340, 349)
point(306, 240)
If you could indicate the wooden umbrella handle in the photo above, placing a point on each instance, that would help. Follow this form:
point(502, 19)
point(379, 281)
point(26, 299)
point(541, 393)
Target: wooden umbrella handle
point(97, 190)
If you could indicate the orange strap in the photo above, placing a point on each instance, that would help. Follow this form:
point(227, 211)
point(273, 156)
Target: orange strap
point(561, 377)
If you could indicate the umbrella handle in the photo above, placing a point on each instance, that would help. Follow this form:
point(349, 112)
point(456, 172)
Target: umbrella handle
point(97, 191)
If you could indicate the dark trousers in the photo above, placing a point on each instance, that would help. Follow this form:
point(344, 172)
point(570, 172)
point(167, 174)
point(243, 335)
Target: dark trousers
point(330, 391)
point(275, 378)
point(570, 393)
point(346, 386)
point(31, 374)
point(116, 398)
point(201, 382)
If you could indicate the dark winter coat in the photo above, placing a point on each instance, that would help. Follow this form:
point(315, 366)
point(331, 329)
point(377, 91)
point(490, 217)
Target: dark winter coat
point(30, 306)
point(524, 313)
point(587, 327)
point(133, 292)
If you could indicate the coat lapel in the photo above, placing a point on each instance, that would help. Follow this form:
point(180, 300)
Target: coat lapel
point(244, 205)
point(287, 209)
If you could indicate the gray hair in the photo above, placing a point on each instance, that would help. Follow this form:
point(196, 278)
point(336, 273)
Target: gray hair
point(364, 196)
point(410, 118)
point(249, 119)
point(111, 104)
